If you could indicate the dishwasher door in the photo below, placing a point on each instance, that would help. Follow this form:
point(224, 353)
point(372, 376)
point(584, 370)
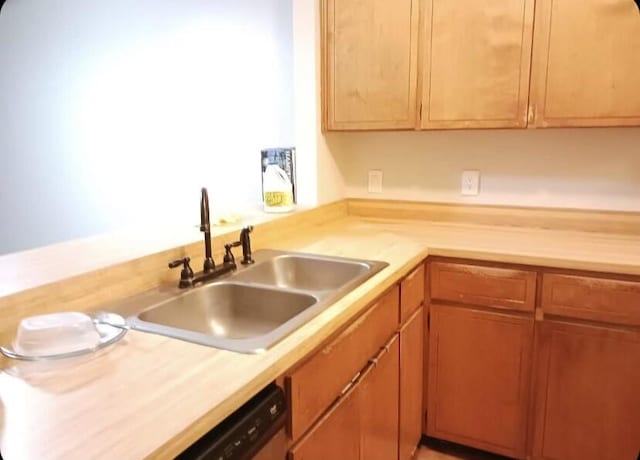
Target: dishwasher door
point(254, 431)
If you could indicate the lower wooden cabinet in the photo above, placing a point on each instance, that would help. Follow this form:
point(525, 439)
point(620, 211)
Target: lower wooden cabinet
point(587, 404)
point(411, 384)
point(314, 385)
point(363, 423)
point(534, 363)
point(379, 407)
point(479, 378)
point(336, 435)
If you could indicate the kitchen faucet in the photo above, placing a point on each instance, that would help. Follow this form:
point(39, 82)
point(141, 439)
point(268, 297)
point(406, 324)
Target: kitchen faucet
point(205, 226)
point(209, 270)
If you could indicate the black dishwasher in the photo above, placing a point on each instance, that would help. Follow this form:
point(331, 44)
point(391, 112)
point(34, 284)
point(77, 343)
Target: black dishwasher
point(241, 435)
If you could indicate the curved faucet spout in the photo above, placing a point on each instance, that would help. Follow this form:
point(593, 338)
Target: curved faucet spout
point(205, 226)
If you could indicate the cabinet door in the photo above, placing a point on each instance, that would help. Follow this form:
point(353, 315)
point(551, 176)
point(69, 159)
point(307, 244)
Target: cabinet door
point(369, 64)
point(587, 390)
point(337, 433)
point(338, 362)
point(380, 407)
point(475, 57)
point(586, 63)
point(411, 384)
point(363, 424)
point(479, 371)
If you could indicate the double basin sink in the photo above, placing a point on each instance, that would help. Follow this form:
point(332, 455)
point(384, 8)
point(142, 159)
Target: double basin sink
point(256, 306)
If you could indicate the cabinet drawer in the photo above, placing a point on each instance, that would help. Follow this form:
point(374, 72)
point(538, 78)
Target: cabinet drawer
point(597, 299)
point(488, 286)
point(313, 386)
point(411, 293)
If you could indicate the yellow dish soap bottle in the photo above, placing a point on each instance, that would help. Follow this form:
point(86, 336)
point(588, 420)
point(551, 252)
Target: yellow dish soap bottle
point(278, 190)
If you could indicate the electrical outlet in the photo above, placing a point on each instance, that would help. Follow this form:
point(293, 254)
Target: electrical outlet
point(470, 183)
point(375, 181)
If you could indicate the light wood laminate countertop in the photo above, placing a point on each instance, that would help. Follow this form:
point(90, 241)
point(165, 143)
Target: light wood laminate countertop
point(150, 396)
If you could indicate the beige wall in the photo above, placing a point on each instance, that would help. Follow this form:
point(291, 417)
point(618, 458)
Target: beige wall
point(575, 168)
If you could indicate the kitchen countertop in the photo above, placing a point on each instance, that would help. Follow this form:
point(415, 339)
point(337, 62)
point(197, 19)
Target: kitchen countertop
point(151, 396)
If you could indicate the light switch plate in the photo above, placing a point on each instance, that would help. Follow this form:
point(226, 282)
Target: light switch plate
point(470, 182)
point(375, 181)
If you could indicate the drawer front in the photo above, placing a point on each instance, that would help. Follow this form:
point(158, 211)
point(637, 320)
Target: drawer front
point(411, 293)
point(487, 286)
point(606, 300)
point(313, 386)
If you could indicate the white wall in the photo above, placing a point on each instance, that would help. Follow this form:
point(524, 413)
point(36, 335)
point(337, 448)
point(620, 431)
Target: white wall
point(116, 113)
point(573, 168)
point(320, 179)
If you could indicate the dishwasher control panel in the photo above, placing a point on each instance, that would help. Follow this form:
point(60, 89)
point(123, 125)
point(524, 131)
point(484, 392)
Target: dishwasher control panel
point(244, 432)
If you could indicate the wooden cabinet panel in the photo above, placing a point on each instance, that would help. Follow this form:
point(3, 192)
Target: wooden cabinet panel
point(411, 293)
point(380, 406)
point(479, 378)
point(598, 299)
point(487, 286)
point(275, 449)
point(586, 63)
point(363, 424)
point(411, 384)
point(336, 435)
point(587, 403)
point(314, 385)
point(475, 63)
point(369, 64)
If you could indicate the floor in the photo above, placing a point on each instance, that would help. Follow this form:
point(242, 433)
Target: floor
point(439, 450)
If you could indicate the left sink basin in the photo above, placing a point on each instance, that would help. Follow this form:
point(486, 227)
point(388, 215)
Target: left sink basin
point(225, 314)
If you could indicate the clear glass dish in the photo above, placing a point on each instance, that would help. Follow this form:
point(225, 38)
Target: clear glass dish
point(65, 335)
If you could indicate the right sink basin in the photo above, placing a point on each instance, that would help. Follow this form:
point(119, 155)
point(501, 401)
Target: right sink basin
point(305, 272)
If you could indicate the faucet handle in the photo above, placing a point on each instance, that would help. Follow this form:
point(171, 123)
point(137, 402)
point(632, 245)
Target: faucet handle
point(245, 241)
point(186, 275)
point(229, 258)
point(176, 263)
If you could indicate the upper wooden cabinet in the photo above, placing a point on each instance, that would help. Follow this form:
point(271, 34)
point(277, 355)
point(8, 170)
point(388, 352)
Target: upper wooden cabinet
point(475, 58)
point(370, 64)
point(443, 64)
point(586, 63)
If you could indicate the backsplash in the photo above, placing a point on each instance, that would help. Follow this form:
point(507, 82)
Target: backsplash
point(595, 168)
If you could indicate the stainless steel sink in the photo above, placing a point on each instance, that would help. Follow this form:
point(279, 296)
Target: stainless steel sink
point(256, 306)
point(229, 310)
point(305, 272)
